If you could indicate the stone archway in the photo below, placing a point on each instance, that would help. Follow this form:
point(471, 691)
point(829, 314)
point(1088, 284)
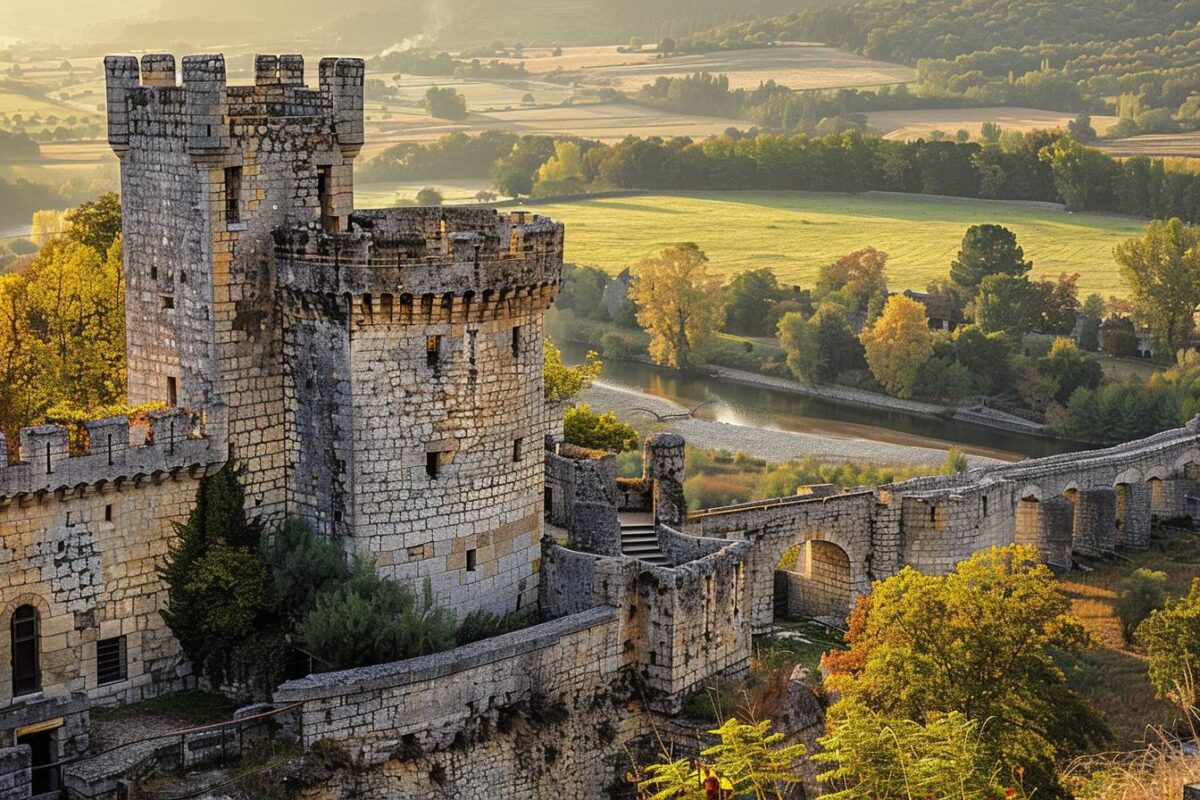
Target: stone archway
point(813, 579)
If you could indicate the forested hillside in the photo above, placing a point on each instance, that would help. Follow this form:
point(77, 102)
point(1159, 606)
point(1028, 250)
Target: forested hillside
point(1141, 59)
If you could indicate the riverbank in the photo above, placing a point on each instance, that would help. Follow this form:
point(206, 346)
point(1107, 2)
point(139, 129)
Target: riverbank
point(646, 411)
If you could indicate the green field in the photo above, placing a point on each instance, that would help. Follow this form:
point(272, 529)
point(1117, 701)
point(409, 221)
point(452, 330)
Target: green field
point(794, 233)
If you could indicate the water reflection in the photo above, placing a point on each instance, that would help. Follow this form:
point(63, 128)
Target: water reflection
point(773, 409)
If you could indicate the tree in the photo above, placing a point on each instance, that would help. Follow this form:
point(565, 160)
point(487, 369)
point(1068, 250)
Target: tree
point(798, 338)
point(1092, 313)
point(987, 250)
point(750, 300)
point(898, 344)
point(1171, 637)
point(513, 174)
point(1004, 304)
point(565, 165)
point(986, 356)
point(1162, 270)
point(1083, 176)
point(1080, 129)
point(302, 566)
point(563, 383)
point(897, 759)
point(429, 196)
point(1138, 595)
point(990, 641)
point(1054, 305)
point(1069, 369)
point(96, 224)
point(840, 349)
point(217, 582)
point(583, 291)
point(444, 102)
point(749, 756)
point(678, 304)
point(860, 275)
point(584, 428)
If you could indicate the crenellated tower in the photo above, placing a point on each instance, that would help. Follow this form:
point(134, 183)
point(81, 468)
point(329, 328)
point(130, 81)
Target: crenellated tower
point(382, 370)
point(208, 171)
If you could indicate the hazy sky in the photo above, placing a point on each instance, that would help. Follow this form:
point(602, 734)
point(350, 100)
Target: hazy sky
point(50, 20)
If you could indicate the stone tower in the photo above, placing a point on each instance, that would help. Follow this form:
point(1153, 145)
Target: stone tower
point(208, 171)
point(382, 369)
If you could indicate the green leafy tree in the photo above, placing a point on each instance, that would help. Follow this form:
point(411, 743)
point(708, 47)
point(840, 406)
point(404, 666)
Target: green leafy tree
point(1138, 595)
point(754, 761)
point(564, 382)
point(1162, 270)
point(678, 304)
point(302, 567)
point(987, 250)
point(990, 640)
point(799, 340)
point(444, 102)
point(584, 428)
point(1005, 304)
point(1092, 313)
point(750, 303)
point(97, 223)
point(986, 356)
point(1068, 369)
point(1171, 637)
point(429, 196)
point(901, 759)
point(217, 581)
point(583, 292)
point(513, 173)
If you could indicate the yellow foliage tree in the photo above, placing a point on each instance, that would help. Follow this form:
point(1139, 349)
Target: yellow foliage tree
point(898, 345)
point(62, 333)
point(566, 164)
point(678, 304)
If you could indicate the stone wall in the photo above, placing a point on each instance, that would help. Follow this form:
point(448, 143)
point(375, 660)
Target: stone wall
point(537, 713)
point(15, 773)
point(582, 485)
point(81, 540)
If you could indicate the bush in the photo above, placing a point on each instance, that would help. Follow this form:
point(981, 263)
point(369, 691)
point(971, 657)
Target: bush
point(484, 624)
point(303, 566)
point(583, 428)
point(369, 620)
point(1143, 592)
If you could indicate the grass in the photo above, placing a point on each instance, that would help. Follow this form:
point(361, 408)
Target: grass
point(1113, 675)
point(795, 233)
point(192, 707)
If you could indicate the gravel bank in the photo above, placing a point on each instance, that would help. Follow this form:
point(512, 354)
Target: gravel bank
point(773, 445)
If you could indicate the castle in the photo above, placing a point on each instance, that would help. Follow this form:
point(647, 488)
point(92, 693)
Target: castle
point(379, 374)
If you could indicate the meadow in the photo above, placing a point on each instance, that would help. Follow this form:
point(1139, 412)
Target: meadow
point(912, 124)
point(795, 233)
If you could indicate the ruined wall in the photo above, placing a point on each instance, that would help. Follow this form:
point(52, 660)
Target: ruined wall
point(542, 712)
point(198, 242)
point(584, 498)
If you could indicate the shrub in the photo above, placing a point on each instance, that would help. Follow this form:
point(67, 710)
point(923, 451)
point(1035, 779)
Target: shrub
point(1143, 592)
point(483, 624)
point(583, 428)
point(303, 566)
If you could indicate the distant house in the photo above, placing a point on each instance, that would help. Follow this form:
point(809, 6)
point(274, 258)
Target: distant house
point(943, 314)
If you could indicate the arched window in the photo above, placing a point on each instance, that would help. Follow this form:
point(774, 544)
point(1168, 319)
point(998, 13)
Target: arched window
point(26, 675)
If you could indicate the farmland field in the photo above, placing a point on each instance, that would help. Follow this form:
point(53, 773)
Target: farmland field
point(1161, 145)
point(794, 233)
point(797, 66)
point(913, 124)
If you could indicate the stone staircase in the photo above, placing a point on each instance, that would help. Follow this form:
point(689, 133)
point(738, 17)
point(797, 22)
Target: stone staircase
point(638, 539)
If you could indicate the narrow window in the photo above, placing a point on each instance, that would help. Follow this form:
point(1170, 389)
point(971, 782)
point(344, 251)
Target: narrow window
point(471, 560)
point(985, 505)
point(110, 660)
point(168, 302)
point(182, 276)
point(933, 513)
point(108, 513)
point(433, 349)
point(325, 196)
point(516, 340)
point(432, 463)
point(154, 273)
point(517, 442)
point(233, 194)
point(172, 391)
point(26, 674)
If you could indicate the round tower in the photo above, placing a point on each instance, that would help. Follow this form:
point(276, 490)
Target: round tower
point(414, 408)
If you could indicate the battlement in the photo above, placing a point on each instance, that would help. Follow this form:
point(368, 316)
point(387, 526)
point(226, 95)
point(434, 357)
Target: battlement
point(115, 450)
point(423, 251)
point(149, 99)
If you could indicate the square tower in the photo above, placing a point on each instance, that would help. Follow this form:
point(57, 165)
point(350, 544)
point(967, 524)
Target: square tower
point(208, 171)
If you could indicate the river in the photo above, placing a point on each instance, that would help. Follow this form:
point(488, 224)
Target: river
point(765, 407)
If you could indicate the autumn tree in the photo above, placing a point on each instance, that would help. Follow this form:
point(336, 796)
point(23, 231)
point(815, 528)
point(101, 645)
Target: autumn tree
point(564, 382)
point(1162, 270)
point(564, 166)
point(898, 344)
point(678, 304)
point(585, 428)
point(991, 641)
point(987, 250)
point(858, 276)
point(1171, 637)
